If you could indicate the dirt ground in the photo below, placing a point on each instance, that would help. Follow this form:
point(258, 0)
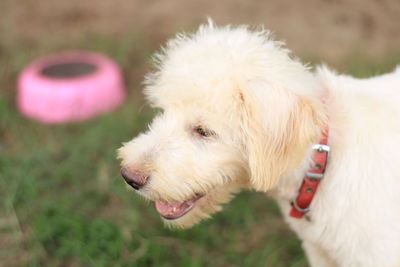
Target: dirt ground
point(330, 29)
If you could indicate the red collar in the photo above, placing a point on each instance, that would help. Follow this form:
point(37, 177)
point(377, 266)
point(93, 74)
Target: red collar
point(312, 178)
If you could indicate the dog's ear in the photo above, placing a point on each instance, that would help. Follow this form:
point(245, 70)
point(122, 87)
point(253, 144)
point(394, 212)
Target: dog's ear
point(278, 126)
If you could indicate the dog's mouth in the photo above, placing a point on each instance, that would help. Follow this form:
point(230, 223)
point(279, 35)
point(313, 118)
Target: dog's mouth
point(175, 210)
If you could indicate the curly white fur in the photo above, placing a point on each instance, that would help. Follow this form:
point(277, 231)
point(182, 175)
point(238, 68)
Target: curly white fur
point(264, 111)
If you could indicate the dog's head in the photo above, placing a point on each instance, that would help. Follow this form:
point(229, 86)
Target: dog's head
point(237, 112)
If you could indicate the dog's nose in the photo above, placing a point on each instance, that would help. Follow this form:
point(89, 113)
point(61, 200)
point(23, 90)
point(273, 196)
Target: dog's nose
point(134, 177)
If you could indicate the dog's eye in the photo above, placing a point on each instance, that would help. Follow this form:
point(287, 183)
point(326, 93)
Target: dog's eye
point(203, 132)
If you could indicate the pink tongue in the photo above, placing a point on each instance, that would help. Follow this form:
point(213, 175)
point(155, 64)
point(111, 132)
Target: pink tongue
point(173, 210)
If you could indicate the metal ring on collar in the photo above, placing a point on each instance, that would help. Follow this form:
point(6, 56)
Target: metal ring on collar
point(305, 210)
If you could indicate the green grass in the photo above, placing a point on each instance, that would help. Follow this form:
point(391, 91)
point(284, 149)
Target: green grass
point(63, 202)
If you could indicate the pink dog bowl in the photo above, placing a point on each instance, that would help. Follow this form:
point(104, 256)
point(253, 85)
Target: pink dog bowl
point(71, 86)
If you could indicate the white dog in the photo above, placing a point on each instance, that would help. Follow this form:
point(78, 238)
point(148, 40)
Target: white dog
point(239, 112)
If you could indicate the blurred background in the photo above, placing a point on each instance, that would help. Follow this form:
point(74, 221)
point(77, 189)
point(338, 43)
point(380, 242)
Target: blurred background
point(62, 200)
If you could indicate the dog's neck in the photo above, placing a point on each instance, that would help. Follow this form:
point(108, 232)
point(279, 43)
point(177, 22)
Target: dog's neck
point(292, 186)
point(288, 186)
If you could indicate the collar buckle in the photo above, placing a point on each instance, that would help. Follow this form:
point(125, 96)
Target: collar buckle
point(321, 148)
point(313, 175)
